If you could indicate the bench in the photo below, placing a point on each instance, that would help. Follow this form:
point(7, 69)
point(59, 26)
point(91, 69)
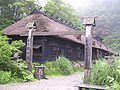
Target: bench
point(87, 86)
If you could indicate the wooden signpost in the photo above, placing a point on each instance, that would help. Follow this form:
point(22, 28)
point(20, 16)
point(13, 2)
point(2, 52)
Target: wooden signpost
point(89, 23)
point(29, 48)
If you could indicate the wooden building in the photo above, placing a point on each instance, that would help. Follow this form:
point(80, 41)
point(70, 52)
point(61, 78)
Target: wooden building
point(48, 48)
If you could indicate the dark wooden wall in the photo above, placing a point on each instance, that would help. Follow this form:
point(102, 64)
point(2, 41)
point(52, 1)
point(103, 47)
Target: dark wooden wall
point(55, 47)
point(48, 48)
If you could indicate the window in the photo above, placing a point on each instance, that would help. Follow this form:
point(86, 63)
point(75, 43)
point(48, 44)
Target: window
point(37, 50)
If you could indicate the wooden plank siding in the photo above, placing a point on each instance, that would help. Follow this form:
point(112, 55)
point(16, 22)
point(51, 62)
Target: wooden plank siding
point(48, 48)
point(55, 47)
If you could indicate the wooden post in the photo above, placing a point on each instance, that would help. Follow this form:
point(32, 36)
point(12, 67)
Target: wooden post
point(88, 54)
point(29, 48)
point(89, 22)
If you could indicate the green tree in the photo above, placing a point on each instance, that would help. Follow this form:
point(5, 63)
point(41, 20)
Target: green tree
point(63, 11)
point(14, 10)
point(113, 43)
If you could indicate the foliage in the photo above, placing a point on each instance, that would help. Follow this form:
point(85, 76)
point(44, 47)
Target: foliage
point(5, 22)
point(14, 10)
point(19, 73)
point(60, 67)
point(51, 69)
point(113, 43)
point(24, 74)
point(64, 66)
point(7, 50)
point(10, 70)
point(63, 11)
point(103, 74)
point(5, 77)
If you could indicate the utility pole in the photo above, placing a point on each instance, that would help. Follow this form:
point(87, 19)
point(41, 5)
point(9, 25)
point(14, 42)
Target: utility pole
point(89, 23)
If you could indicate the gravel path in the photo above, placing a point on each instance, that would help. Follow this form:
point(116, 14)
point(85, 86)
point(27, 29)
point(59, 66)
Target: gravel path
point(52, 83)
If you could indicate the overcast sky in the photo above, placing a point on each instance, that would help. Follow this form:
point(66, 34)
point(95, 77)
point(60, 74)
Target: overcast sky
point(74, 3)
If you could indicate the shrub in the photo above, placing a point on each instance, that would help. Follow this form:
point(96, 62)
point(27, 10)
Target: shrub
point(103, 74)
point(22, 71)
point(51, 69)
point(11, 70)
point(64, 66)
point(18, 74)
point(5, 77)
point(61, 66)
point(7, 50)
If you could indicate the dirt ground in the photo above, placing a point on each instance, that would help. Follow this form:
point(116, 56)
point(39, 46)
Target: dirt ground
point(52, 83)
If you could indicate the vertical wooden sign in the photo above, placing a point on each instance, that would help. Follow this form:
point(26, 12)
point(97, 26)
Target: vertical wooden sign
point(88, 47)
point(29, 48)
point(89, 22)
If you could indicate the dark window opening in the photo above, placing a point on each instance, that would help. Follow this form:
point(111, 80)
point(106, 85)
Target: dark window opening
point(37, 50)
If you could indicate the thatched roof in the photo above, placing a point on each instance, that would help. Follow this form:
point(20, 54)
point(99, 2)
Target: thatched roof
point(45, 23)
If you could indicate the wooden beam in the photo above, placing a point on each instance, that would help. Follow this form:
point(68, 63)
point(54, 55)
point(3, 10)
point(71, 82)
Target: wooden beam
point(99, 32)
point(64, 33)
point(87, 86)
point(54, 33)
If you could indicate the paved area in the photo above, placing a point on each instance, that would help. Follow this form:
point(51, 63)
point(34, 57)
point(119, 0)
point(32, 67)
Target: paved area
point(52, 83)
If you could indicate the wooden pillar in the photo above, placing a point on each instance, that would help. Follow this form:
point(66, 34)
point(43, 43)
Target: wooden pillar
point(88, 54)
point(89, 22)
point(29, 48)
point(88, 47)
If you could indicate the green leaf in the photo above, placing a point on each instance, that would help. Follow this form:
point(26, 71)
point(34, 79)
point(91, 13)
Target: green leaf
point(18, 4)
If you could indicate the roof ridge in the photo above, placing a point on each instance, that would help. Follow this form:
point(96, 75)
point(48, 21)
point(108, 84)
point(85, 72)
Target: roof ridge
point(36, 11)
